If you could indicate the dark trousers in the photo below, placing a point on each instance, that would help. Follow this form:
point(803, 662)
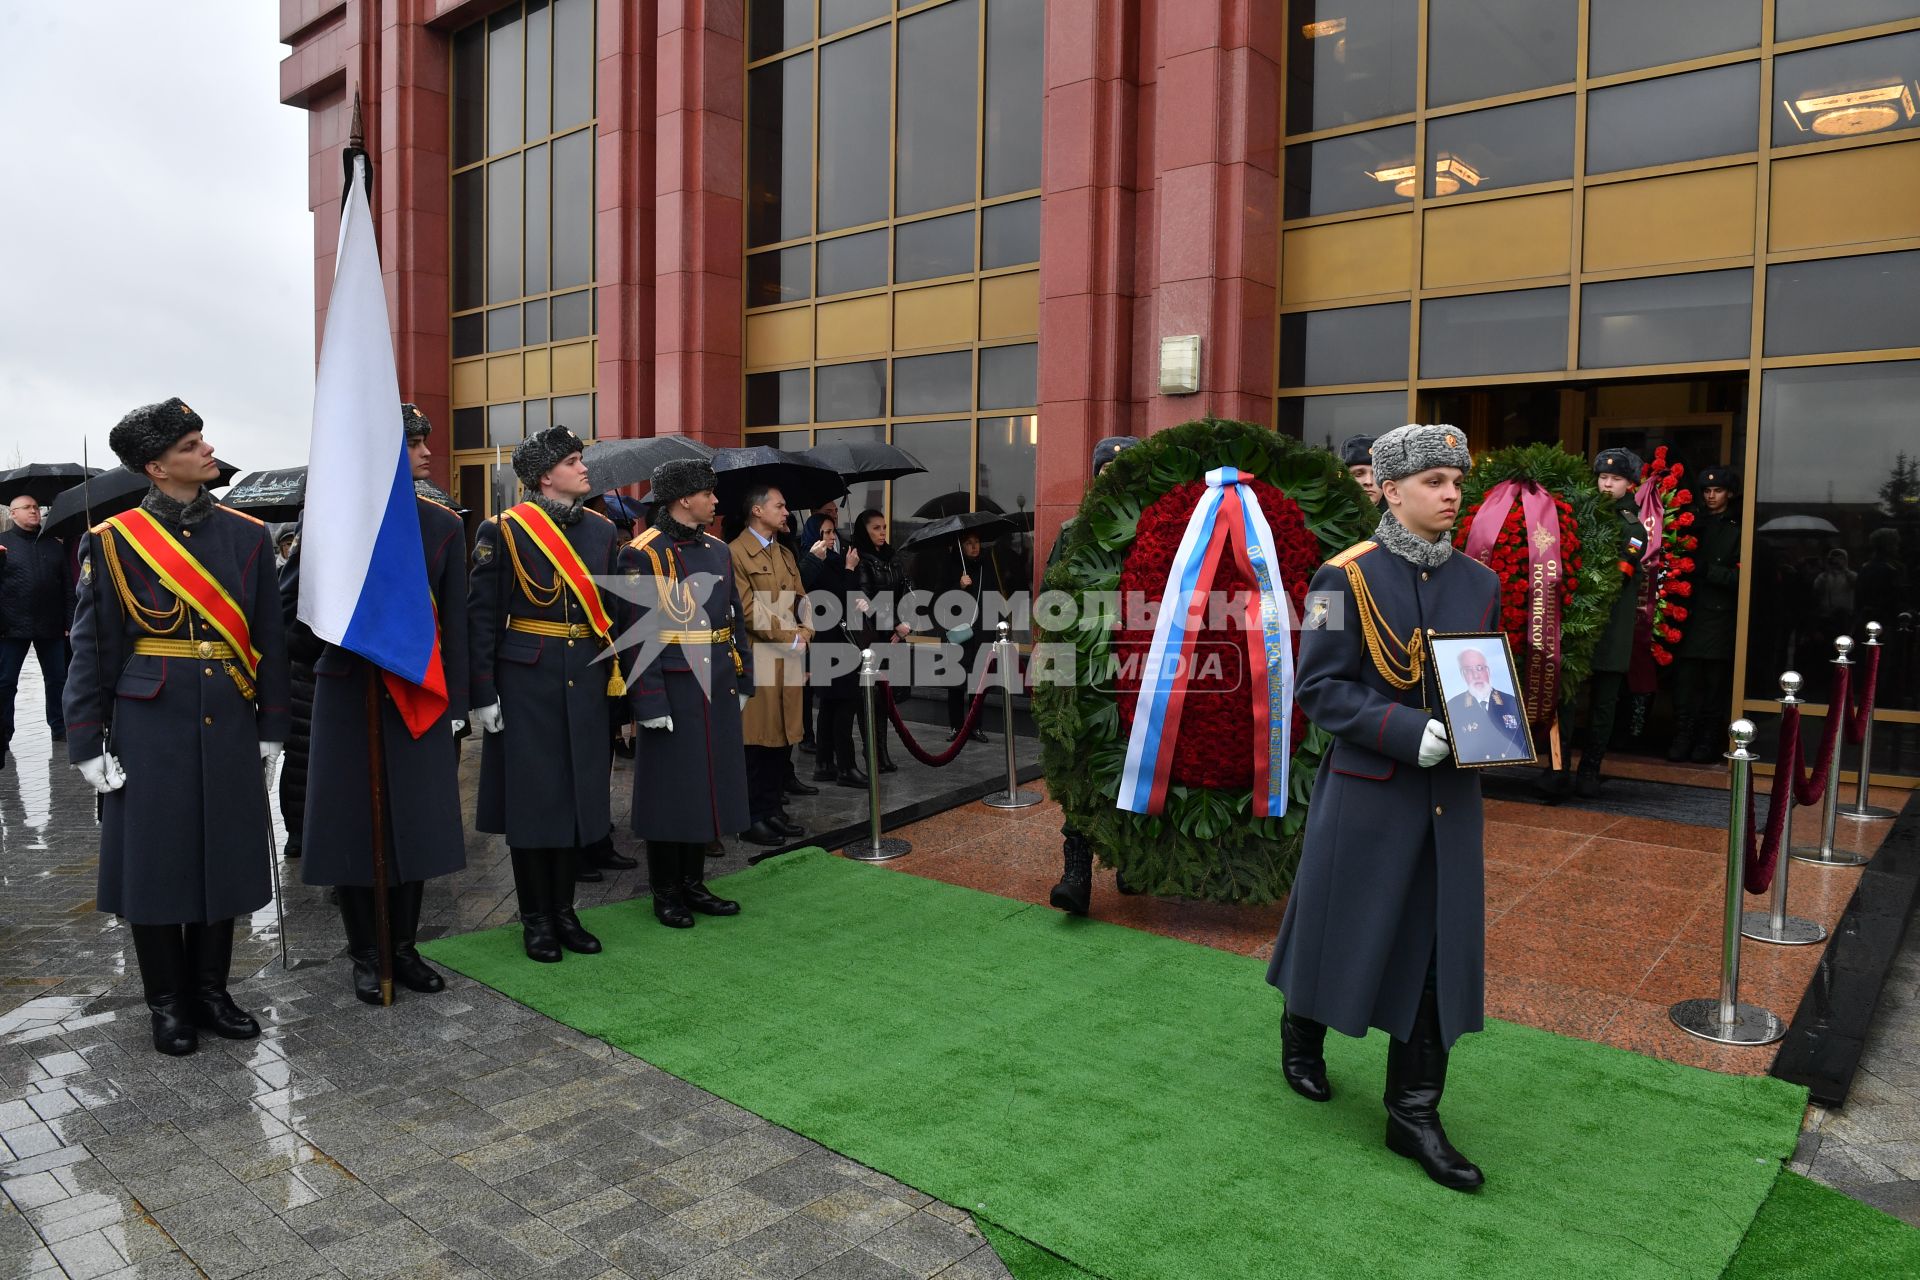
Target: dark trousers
point(833, 740)
point(1703, 696)
point(1606, 689)
point(960, 696)
point(52, 653)
point(766, 777)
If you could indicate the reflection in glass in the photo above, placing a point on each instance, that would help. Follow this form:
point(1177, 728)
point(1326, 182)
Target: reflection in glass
point(1707, 315)
point(534, 321)
point(933, 384)
point(773, 25)
point(1349, 61)
point(538, 416)
point(503, 80)
point(1326, 421)
point(1486, 48)
point(539, 236)
point(1837, 525)
point(1004, 482)
point(939, 87)
point(776, 399)
point(1863, 303)
point(1344, 344)
point(575, 412)
point(853, 262)
point(469, 94)
point(503, 229)
point(503, 424)
point(945, 450)
point(1847, 90)
point(933, 247)
point(1337, 174)
point(573, 209)
point(539, 68)
point(469, 428)
point(844, 392)
point(469, 239)
point(1008, 376)
point(503, 328)
point(1010, 234)
point(469, 334)
point(1501, 147)
point(780, 150)
point(1524, 331)
point(1626, 35)
point(855, 116)
point(572, 63)
point(1015, 45)
point(1715, 112)
point(838, 15)
point(572, 316)
point(784, 275)
point(1795, 18)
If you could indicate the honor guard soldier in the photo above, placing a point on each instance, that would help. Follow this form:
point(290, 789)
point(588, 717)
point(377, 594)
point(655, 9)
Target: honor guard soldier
point(1617, 472)
point(1385, 926)
point(424, 837)
point(691, 683)
point(1356, 452)
point(546, 683)
point(1703, 672)
point(176, 700)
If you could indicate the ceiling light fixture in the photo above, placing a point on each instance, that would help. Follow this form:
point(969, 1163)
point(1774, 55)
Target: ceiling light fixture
point(1325, 27)
point(1450, 173)
point(1857, 111)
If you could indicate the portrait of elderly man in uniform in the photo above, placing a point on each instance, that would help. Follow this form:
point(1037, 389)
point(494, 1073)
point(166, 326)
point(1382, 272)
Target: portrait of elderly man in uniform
point(1488, 722)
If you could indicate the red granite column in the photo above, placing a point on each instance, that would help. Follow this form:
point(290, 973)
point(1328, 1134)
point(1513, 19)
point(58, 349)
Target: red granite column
point(699, 294)
point(624, 217)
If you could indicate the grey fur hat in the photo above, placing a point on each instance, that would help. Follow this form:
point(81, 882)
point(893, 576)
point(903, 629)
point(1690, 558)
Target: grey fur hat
point(414, 422)
point(539, 454)
point(1357, 451)
point(151, 430)
point(680, 478)
point(1409, 450)
point(1624, 463)
point(1110, 448)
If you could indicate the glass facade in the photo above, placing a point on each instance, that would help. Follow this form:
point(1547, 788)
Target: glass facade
point(522, 233)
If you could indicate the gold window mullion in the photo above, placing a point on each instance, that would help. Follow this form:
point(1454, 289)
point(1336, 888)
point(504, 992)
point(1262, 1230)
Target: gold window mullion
point(1577, 214)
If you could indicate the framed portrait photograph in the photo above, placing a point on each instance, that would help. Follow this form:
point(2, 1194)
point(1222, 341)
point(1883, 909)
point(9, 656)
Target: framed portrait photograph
point(1486, 721)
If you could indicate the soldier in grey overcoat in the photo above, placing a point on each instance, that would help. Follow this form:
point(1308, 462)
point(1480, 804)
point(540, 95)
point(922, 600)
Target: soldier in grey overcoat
point(172, 726)
point(424, 836)
point(543, 691)
point(1385, 925)
point(694, 673)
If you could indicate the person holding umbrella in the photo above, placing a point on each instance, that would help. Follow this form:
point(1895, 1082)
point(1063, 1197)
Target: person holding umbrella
point(884, 583)
point(970, 572)
point(837, 573)
point(36, 612)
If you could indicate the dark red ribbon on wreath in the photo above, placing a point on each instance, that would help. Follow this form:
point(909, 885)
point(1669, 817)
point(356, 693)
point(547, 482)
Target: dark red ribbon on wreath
point(1540, 649)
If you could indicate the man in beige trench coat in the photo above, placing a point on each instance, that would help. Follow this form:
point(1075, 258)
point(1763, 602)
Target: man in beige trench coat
point(768, 579)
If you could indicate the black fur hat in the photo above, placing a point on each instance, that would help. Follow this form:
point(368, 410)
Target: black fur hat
point(1357, 451)
point(151, 430)
point(1719, 477)
point(1624, 463)
point(539, 454)
point(680, 478)
point(414, 422)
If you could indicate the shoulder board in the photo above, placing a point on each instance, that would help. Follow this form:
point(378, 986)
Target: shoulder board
point(1352, 553)
point(435, 502)
point(492, 519)
point(710, 538)
point(235, 511)
point(643, 538)
point(102, 528)
point(590, 511)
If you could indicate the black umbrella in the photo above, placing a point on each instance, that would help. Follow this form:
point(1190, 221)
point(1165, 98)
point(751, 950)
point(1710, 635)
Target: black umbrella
point(987, 524)
point(868, 461)
point(111, 492)
point(615, 464)
point(273, 496)
point(43, 481)
point(805, 484)
point(958, 502)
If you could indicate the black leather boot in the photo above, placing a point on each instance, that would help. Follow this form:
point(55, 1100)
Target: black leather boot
point(1302, 1057)
point(1682, 745)
point(695, 894)
point(1074, 893)
point(604, 856)
point(162, 953)
point(566, 925)
point(403, 920)
point(664, 874)
point(1586, 782)
point(210, 951)
point(363, 949)
point(1416, 1077)
point(531, 868)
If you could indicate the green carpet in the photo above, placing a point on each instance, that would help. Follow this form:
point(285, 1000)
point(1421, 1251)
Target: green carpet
point(1806, 1232)
point(1111, 1096)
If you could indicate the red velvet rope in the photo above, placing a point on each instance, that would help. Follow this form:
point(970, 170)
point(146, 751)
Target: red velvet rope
point(1812, 788)
point(1762, 859)
point(1861, 717)
point(960, 736)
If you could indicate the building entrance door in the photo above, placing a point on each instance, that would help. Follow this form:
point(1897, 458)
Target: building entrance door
point(1695, 439)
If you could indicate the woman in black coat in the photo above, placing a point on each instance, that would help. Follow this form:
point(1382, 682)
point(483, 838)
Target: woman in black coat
point(836, 689)
point(969, 569)
point(885, 584)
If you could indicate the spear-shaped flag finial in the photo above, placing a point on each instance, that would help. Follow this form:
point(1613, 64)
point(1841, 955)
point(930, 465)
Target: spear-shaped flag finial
point(357, 131)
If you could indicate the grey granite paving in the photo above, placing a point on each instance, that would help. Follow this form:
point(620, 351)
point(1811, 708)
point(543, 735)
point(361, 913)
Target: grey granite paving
point(455, 1135)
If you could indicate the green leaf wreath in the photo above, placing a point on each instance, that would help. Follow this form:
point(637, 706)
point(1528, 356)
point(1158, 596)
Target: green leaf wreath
point(1207, 844)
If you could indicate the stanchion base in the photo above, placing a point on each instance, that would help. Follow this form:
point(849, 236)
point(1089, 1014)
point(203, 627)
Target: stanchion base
point(1865, 812)
point(1013, 800)
point(884, 849)
point(1751, 1024)
point(1794, 931)
point(1841, 858)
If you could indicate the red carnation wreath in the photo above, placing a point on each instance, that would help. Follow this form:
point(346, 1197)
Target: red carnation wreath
point(1663, 597)
point(1510, 562)
point(1216, 722)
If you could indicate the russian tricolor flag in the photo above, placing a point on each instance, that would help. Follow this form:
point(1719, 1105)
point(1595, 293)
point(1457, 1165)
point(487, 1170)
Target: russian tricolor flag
point(363, 575)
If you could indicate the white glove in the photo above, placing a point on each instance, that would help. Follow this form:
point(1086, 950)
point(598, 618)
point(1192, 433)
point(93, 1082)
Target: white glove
point(456, 726)
point(487, 719)
point(270, 751)
point(1433, 745)
point(658, 722)
point(103, 773)
point(745, 698)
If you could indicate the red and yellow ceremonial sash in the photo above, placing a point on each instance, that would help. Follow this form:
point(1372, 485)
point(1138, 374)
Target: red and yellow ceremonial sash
point(568, 566)
point(189, 580)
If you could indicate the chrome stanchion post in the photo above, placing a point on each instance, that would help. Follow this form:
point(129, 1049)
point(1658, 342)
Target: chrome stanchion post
point(1774, 924)
point(1826, 855)
point(876, 848)
point(1725, 1020)
point(1012, 797)
point(1860, 810)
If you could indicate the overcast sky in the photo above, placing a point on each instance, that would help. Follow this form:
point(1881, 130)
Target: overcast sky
point(154, 236)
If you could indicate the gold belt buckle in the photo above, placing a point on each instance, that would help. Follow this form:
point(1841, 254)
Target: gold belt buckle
point(206, 649)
